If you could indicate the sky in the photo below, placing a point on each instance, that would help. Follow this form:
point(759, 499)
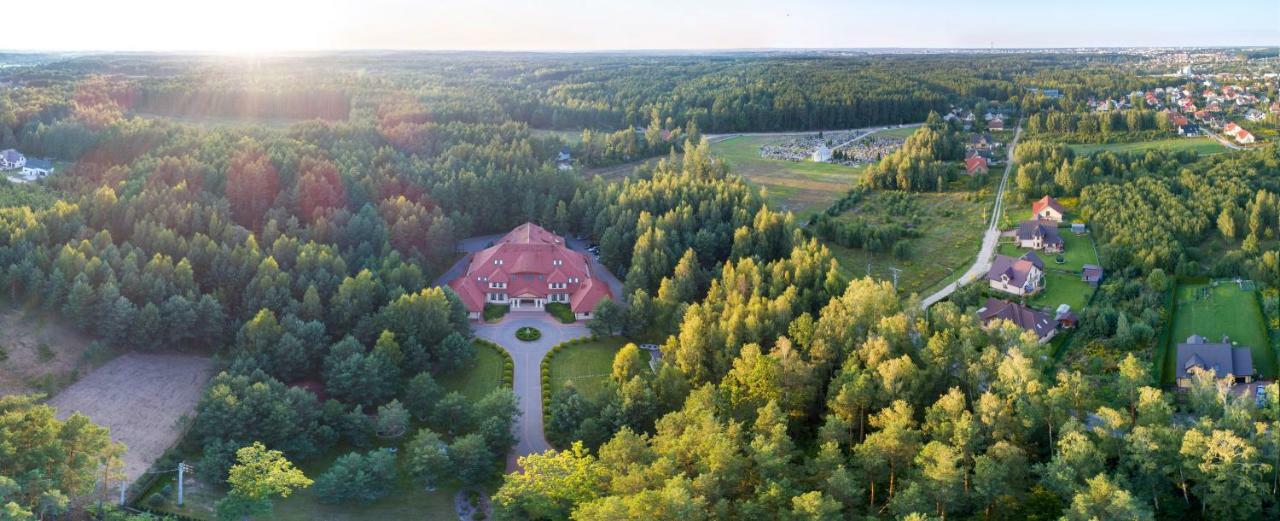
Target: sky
point(252, 26)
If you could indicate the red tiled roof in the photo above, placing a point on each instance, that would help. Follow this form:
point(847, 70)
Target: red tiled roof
point(1046, 201)
point(527, 259)
point(974, 163)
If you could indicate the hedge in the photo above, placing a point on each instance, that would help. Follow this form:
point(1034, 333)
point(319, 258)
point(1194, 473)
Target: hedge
point(508, 365)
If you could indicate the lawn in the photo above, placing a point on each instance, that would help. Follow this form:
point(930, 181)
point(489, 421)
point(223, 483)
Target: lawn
point(1199, 145)
point(483, 378)
point(951, 226)
point(587, 365)
point(1079, 251)
point(1229, 311)
point(1062, 288)
point(802, 187)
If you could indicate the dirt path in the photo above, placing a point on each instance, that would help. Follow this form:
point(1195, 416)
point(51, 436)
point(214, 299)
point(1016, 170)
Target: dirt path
point(990, 238)
point(141, 398)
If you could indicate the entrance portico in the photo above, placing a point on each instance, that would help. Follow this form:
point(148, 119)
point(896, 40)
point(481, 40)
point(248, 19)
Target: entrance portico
point(527, 301)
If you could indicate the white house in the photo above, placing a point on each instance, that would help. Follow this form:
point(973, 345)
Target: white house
point(822, 154)
point(36, 169)
point(12, 159)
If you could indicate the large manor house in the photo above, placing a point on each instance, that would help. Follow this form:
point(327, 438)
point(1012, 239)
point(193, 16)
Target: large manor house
point(527, 269)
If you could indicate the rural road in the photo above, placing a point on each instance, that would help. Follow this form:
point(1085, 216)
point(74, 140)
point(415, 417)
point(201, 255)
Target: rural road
point(527, 357)
point(1224, 141)
point(990, 238)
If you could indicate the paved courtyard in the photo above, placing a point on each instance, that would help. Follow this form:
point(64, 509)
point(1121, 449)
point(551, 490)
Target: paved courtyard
point(527, 357)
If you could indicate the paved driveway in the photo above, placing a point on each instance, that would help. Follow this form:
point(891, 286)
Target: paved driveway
point(527, 357)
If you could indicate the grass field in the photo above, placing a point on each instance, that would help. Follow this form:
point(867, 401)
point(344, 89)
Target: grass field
point(1079, 251)
point(802, 187)
point(1199, 145)
point(951, 225)
point(588, 365)
point(1229, 311)
point(1062, 288)
point(482, 379)
point(900, 132)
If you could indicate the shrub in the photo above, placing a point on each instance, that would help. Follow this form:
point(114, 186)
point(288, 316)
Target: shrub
point(562, 312)
point(495, 312)
point(528, 334)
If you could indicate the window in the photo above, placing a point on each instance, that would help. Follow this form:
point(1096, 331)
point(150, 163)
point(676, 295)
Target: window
point(557, 262)
point(497, 262)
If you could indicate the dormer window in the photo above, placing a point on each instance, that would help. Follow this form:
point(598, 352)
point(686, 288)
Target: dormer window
point(497, 262)
point(557, 262)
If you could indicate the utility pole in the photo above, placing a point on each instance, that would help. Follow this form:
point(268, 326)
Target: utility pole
point(895, 271)
point(182, 466)
point(122, 482)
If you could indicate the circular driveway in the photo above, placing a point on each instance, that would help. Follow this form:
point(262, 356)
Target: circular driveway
point(527, 357)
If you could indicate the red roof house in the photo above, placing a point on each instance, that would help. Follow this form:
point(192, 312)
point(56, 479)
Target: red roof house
point(528, 268)
point(1047, 208)
point(976, 165)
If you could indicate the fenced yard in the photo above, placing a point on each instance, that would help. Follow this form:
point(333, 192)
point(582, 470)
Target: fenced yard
point(1213, 310)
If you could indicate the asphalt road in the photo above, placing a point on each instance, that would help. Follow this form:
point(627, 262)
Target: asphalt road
point(990, 238)
point(527, 357)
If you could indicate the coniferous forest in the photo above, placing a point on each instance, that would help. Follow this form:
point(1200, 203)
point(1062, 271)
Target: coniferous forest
point(288, 218)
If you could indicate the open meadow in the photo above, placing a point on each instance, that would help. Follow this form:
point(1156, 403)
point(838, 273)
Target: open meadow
point(39, 354)
point(948, 224)
point(801, 187)
point(1199, 145)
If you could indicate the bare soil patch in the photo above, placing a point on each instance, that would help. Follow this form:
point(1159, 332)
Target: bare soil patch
point(141, 398)
point(37, 354)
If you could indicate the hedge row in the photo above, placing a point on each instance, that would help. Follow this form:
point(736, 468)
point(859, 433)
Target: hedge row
point(545, 369)
point(508, 366)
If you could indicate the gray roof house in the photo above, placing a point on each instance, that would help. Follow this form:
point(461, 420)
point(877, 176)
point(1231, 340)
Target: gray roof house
point(1020, 276)
point(1039, 234)
point(1197, 353)
point(1032, 320)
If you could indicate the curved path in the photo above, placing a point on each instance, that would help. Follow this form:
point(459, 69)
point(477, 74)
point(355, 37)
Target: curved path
point(527, 357)
point(990, 238)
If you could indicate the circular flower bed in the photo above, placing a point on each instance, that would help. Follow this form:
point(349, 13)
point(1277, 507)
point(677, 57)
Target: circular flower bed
point(528, 334)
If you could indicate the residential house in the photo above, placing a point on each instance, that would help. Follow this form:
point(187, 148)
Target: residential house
point(1021, 276)
point(981, 142)
point(1091, 273)
point(527, 269)
point(995, 124)
point(11, 159)
point(975, 165)
point(1040, 234)
point(1047, 209)
point(563, 160)
point(1244, 137)
point(1231, 129)
point(1064, 317)
point(1019, 315)
point(36, 169)
point(1223, 358)
point(1255, 115)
